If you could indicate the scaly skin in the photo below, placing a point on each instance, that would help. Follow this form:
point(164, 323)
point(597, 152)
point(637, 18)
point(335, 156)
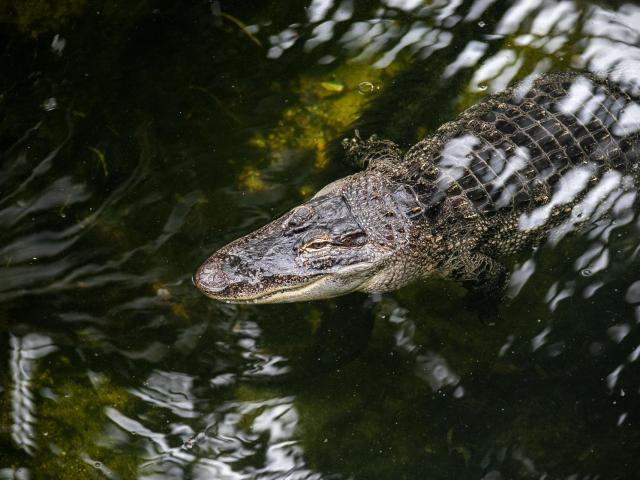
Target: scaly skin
point(539, 157)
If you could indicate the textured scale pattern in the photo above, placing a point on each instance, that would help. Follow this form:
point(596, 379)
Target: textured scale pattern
point(521, 152)
point(510, 151)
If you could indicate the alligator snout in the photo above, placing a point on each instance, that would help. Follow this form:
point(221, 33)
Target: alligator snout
point(210, 277)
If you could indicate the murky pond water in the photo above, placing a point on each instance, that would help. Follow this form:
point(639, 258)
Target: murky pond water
point(136, 139)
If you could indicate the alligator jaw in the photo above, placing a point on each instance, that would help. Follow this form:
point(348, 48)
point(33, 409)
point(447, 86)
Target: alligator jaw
point(284, 289)
point(285, 294)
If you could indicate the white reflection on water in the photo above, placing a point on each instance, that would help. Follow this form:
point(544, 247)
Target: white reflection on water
point(158, 443)
point(507, 169)
point(430, 366)
point(456, 159)
point(540, 339)
point(519, 276)
point(617, 333)
point(596, 204)
point(608, 42)
point(613, 44)
point(237, 432)
point(572, 183)
point(170, 390)
point(498, 70)
point(49, 266)
point(556, 294)
point(381, 36)
point(466, 58)
point(318, 9)
point(25, 351)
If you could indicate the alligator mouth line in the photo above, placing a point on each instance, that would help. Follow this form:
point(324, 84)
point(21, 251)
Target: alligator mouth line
point(279, 295)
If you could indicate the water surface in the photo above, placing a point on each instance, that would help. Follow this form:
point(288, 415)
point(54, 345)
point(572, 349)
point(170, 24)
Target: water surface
point(137, 139)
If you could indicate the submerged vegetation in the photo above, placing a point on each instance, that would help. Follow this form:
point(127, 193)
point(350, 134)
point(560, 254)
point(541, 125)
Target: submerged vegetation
point(70, 437)
point(78, 444)
point(323, 107)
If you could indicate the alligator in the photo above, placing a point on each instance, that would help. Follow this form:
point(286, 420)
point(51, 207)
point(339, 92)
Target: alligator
point(546, 155)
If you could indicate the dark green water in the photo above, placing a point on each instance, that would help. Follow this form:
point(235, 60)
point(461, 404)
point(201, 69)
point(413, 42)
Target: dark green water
point(137, 138)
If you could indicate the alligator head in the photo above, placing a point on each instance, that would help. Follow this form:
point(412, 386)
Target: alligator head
point(347, 238)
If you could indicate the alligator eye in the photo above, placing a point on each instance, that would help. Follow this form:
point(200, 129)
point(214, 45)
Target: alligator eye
point(317, 244)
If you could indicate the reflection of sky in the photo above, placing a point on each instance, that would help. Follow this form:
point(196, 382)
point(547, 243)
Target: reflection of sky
point(171, 390)
point(231, 440)
point(429, 365)
point(608, 43)
point(25, 353)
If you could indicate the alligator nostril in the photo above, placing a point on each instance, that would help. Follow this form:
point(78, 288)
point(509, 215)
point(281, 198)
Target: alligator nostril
point(233, 260)
point(211, 279)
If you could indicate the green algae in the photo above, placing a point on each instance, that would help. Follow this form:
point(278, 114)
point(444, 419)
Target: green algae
point(325, 104)
point(250, 179)
point(70, 431)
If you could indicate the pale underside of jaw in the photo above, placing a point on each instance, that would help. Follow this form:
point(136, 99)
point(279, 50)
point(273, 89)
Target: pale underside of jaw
point(317, 288)
point(293, 293)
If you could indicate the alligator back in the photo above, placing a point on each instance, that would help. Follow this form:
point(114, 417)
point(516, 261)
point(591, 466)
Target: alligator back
point(510, 151)
point(525, 154)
